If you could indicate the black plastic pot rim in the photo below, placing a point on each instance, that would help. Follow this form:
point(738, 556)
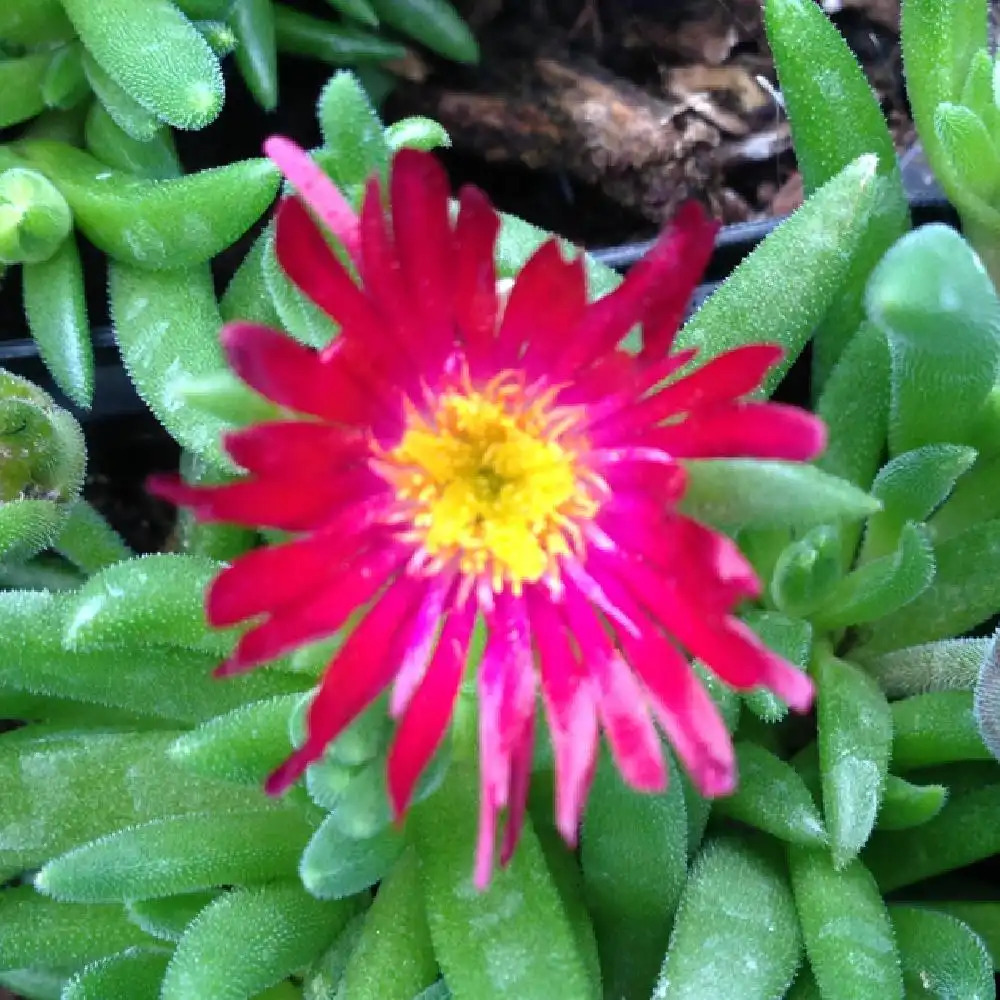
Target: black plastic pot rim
point(115, 396)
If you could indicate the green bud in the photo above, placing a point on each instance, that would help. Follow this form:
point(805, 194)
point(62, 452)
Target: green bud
point(42, 454)
point(34, 217)
point(807, 571)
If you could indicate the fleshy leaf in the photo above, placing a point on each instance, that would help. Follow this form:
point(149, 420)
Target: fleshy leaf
point(352, 131)
point(846, 928)
point(807, 571)
point(965, 591)
point(772, 797)
point(966, 830)
point(882, 586)
point(751, 946)
point(167, 918)
point(788, 637)
point(935, 728)
point(754, 305)
point(335, 865)
point(911, 487)
point(394, 958)
point(941, 957)
point(167, 327)
point(137, 783)
point(934, 666)
point(251, 939)
point(835, 117)
point(158, 597)
point(941, 314)
point(737, 493)
point(634, 859)
point(156, 859)
point(511, 942)
point(35, 931)
point(905, 805)
point(855, 736)
point(155, 54)
point(134, 974)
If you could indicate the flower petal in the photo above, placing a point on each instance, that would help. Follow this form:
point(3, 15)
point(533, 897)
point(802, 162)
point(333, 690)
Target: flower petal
point(418, 193)
point(317, 190)
point(280, 445)
point(738, 430)
point(682, 254)
point(358, 674)
point(547, 302)
point(475, 280)
point(292, 375)
point(621, 701)
point(423, 725)
point(319, 616)
point(568, 695)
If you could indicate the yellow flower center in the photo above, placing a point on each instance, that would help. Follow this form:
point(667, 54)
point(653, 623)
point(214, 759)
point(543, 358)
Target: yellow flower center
point(495, 482)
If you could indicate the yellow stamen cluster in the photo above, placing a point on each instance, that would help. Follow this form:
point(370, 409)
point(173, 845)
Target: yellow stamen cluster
point(495, 482)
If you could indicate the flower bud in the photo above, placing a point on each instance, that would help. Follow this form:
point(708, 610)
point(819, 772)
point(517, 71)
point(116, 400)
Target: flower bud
point(34, 217)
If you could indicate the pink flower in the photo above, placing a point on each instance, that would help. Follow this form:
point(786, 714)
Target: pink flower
point(457, 457)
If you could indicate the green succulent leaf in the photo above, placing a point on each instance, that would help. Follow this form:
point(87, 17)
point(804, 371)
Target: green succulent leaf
point(513, 940)
point(772, 797)
point(417, 133)
point(966, 830)
point(394, 958)
point(155, 54)
point(164, 682)
point(982, 918)
point(434, 23)
point(334, 865)
point(252, 24)
point(137, 783)
point(634, 859)
point(128, 114)
point(33, 22)
point(134, 974)
point(941, 957)
point(35, 218)
point(28, 526)
point(911, 487)
point(846, 928)
point(941, 314)
point(857, 422)
point(352, 131)
point(155, 599)
point(905, 805)
point(243, 745)
point(156, 225)
point(855, 737)
point(301, 34)
point(251, 939)
point(154, 159)
point(166, 919)
point(835, 117)
point(965, 592)
point(969, 148)
point(738, 493)
point(21, 79)
point(35, 931)
point(824, 238)
point(751, 947)
point(935, 728)
point(788, 637)
point(160, 858)
point(951, 664)
point(88, 541)
point(882, 586)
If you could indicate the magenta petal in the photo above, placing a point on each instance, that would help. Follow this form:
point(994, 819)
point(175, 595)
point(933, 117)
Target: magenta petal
point(621, 701)
point(547, 301)
point(724, 378)
point(307, 259)
point(422, 638)
point(520, 779)
point(737, 430)
point(321, 615)
point(418, 193)
point(682, 255)
point(355, 678)
point(569, 698)
point(283, 444)
point(423, 726)
point(316, 189)
point(686, 712)
point(475, 281)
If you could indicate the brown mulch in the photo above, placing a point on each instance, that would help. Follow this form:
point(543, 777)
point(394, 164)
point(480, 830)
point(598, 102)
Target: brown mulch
point(618, 110)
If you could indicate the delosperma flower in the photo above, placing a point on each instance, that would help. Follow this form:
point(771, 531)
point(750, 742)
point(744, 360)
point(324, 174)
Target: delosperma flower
point(459, 456)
